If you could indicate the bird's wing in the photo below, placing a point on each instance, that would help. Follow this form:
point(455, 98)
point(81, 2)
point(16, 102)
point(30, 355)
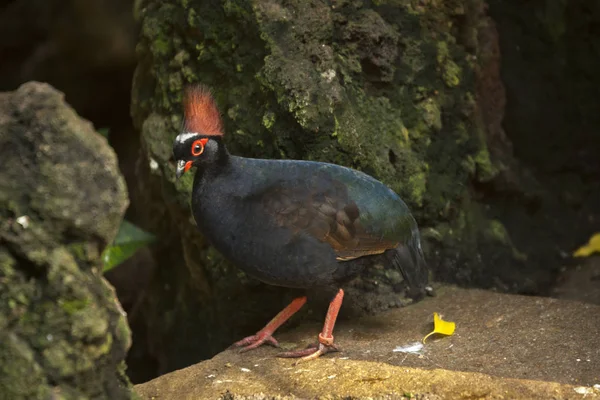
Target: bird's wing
point(321, 206)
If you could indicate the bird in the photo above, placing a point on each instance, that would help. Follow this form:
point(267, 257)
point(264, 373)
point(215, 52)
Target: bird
point(292, 223)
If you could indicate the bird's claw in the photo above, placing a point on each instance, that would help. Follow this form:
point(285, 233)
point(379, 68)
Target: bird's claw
point(313, 351)
point(254, 341)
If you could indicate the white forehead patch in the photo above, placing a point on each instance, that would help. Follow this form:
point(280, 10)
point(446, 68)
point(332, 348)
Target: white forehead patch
point(183, 137)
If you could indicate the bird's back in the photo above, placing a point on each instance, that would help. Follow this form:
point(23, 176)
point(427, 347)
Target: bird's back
point(300, 223)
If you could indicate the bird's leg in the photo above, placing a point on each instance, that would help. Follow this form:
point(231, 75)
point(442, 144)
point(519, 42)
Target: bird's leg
point(265, 334)
point(325, 344)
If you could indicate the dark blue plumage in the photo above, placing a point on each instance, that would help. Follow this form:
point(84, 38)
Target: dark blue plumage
point(231, 207)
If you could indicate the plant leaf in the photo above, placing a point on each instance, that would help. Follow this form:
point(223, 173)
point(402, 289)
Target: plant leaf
point(592, 246)
point(441, 327)
point(129, 239)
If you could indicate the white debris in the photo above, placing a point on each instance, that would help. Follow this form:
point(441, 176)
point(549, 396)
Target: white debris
point(23, 220)
point(245, 369)
point(413, 348)
point(583, 390)
point(211, 376)
point(596, 386)
point(331, 376)
point(153, 164)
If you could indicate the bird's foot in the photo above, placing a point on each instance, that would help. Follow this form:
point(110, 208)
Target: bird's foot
point(254, 341)
point(265, 334)
point(324, 346)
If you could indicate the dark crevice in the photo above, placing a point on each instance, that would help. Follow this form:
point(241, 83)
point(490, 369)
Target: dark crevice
point(29, 269)
point(392, 157)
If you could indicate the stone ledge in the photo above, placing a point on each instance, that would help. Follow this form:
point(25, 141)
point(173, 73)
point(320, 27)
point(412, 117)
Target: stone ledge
point(505, 347)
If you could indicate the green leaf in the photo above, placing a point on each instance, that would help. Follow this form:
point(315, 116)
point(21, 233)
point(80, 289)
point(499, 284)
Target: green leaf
point(129, 239)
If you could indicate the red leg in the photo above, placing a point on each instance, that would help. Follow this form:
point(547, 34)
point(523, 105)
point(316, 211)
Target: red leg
point(325, 344)
point(265, 334)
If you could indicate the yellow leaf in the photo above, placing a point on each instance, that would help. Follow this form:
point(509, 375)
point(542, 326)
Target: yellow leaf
point(591, 247)
point(441, 327)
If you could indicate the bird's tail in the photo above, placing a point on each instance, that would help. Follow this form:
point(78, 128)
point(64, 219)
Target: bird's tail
point(409, 259)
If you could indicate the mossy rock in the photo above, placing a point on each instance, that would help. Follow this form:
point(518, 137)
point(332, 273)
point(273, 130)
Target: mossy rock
point(63, 334)
point(387, 87)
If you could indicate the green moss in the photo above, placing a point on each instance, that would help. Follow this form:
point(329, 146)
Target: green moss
point(497, 232)
point(84, 252)
point(63, 360)
point(450, 70)
point(78, 250)
point(432, 115)
point(123, 333)
point(90, 324)
point(21, 377)
point(161, 46)
point(73, 306)
point(184, 184)
point(486, 169)
point(418, 187)
point(101, 349)
point(268, 120)
point(452, 74)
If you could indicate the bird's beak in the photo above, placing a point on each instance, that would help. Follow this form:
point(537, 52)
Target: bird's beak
point(182, 168)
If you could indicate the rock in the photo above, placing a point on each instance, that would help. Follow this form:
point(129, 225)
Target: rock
point(63, 333)
point(504, 347)
point(580, 281)
point(387, 88)
point(552, 97)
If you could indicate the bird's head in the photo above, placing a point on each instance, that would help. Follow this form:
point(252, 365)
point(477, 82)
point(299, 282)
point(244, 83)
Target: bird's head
point(200, 140)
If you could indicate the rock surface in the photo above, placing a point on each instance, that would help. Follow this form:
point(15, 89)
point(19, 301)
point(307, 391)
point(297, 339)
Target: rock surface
point(63, 333)
point(580, 281)
point(504, 347)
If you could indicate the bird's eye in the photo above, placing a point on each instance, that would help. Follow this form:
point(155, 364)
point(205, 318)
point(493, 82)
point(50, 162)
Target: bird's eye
point(198, 147)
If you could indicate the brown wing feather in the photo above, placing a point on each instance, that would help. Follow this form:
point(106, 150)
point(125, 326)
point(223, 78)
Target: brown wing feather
point(329, 217)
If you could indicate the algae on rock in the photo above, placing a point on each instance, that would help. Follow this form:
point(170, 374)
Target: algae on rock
point(392, 88)
point(63, 333)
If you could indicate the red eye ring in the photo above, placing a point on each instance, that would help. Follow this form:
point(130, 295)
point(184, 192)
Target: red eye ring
point(198, 146)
